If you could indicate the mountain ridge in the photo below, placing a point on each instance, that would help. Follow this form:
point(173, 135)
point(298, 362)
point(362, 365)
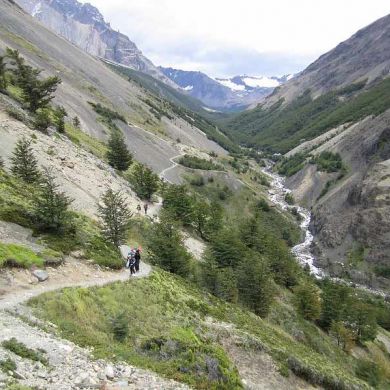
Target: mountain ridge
point(84, 25)
point(225, 94)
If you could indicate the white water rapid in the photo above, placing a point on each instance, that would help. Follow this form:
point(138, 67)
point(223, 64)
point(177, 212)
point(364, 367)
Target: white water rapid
point(277, 194)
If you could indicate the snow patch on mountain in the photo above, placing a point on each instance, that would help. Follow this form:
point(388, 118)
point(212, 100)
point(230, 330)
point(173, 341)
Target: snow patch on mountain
point(189, 88)
point(231, 85)
point(261, 82)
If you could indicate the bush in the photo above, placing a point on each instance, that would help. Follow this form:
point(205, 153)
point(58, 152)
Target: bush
point(369, 372)
point(7, 365)
point(291, 165)
point(199, 163)
point(197, 181)
point(289, 198)
point(328, 162)
point(23, 351)
point(120, 326)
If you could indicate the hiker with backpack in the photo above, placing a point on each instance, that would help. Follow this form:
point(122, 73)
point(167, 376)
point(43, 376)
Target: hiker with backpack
point(131, 262)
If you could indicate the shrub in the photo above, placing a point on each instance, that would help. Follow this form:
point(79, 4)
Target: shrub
point(289, 198)
point(7, 365)
point(328, 162)
point(199, 163)
point(120, 326)
point(23, 351)
point(369, 372)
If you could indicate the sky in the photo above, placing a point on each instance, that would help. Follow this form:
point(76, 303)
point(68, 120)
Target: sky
point(225, 38)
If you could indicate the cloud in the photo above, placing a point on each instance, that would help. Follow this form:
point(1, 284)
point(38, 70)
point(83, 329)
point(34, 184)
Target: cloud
point(226, 37)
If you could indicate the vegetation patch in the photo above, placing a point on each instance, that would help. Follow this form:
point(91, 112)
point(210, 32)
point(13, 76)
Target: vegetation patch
point(291, 165)
point(168, 335)
point(328, 162)
point(23, 351)
point(91, 144)
point(12, 255)
point(281, 128)
point(199, 163)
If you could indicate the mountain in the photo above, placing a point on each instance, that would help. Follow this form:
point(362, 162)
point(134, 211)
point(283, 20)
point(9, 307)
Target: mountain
point(332, 123)
point(364, 56)
point(220, 300)
point(232, 94)
point(83, 25)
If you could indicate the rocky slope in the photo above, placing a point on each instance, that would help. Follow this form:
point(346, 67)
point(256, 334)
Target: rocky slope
point(364, 56)
point(351, 220)
point(236, 93)
point(86, 79)
point(83, 25)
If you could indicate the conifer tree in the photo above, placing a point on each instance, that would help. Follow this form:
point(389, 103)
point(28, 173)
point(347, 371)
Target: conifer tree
point(255, 284)
point(3, 69)
point(166, 247)
point(118, 155)
point(115, 216)
point(145, 181)
point(76, 122)
point(51, 206)
point(308, 301)
point(178, 203)
point(59, 118)
point(36, 93)
point(42, 119)
point(24, 163)
point(1, 163)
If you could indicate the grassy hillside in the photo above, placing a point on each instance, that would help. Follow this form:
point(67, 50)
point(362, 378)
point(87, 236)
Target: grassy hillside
point(281, 128)
point(173, 328)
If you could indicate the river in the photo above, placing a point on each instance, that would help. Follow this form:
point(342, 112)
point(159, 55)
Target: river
point(302, 251)
point(277, 193)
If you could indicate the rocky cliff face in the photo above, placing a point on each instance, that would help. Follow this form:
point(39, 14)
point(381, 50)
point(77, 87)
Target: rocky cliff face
point(364, 56)
point(351, 220)
point(84, 26)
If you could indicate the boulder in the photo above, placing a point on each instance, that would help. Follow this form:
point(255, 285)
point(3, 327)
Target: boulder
point(40, 274)
point(109, 372)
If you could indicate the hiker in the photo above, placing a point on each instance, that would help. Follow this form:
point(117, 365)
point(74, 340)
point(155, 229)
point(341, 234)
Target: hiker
point(137, 258)
point(139, 209)
point(132, 266)
point(146, 208)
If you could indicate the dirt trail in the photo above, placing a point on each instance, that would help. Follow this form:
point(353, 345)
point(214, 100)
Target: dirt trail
point(69, 366)
point(73, 273)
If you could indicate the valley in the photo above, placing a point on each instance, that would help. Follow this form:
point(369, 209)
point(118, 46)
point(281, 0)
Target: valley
point(263, 229)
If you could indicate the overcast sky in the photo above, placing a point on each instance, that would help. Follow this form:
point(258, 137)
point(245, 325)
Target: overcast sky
point(226, 37)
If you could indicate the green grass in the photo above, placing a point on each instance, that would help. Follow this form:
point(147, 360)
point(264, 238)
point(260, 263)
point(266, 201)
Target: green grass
point(18, 256)
point(90, 144)
point(16, 205)
point(168, 334)
point(23, 351)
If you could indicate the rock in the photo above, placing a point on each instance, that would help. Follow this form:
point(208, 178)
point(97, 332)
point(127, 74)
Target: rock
point(77, 254)
point(109, 372)
point(40, 274)
point(18, 375)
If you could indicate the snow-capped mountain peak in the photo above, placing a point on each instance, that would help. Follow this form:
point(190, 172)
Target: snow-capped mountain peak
point(248, 83)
